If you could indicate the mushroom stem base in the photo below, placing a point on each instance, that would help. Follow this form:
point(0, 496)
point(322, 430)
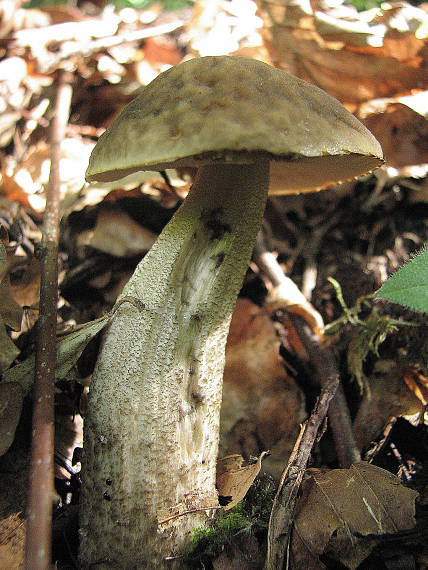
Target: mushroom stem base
point(151, 434)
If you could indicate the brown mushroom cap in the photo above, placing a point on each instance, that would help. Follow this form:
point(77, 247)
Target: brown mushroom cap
point(236, 110)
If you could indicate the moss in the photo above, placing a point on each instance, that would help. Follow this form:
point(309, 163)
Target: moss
point(249, 516)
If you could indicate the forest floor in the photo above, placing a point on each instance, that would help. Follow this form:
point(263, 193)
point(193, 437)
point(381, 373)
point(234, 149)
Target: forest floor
point(357, 234)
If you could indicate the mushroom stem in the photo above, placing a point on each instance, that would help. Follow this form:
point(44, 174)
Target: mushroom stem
point(151, 434)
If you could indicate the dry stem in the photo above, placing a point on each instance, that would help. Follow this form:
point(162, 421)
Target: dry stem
point(282, 514)
point(41, 489)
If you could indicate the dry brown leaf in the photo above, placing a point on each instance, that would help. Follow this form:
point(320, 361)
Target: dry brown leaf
point(118, 234)
point(25, 181)
point(234, 480)
point(26, 290)
point(287, 296)
point(10, 312)
point(262, 405)
point(12, 541)
point(229, 463)
point(11, 398)
point(402, 132)
point(162, 50)
point(417, 383)
point(8, 351)
point(354, 61)
point(12, 190)
point(343, 512)
point(389, 397)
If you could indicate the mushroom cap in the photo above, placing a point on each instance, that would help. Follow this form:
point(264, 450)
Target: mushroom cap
point(236, 110)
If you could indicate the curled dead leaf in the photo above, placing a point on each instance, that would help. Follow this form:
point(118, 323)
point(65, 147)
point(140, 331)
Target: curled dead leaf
point(234, 480)
point(417, 383)
point(402, 132)
point(10, 314)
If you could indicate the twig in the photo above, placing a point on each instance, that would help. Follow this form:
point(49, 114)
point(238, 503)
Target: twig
point(188, 512)
point(282, 515)
point(309, 277)
point(294, 302)
point(338, 412)
point(331, 400)
point(38, 40)
point(284, 294)
point(41, 489)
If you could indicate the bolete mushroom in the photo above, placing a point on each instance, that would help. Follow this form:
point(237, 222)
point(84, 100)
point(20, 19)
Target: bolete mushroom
point(151, 432)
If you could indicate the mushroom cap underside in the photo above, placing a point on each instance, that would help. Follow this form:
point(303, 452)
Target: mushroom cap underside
point(236, 110)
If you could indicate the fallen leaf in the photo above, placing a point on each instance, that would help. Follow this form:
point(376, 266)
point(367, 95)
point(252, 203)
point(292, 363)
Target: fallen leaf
point(8, 350)
point(12, 190)
point(353, 61)
point(12, 541)
point(234, 480)
point(10, 314)
point(10, 310)
point(417, 383)
point(343, 512)
point(388, 397)
point(10, 411)
point(287, 296)
point(229, 463)
point(402, 132)
point(69, 349)
point(116, 233)
point(262, 404)
point(162, 50)
point(26, 181)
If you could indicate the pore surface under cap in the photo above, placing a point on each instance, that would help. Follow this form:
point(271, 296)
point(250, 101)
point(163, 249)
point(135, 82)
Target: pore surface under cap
point(229, 109)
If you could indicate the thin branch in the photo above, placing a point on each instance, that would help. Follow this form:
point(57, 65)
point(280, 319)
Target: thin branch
point(284, 293)
point(188, 512)
point(41, 487)
point(282, 515)
point(338, 411)
point(289, 298)
point(38, 40)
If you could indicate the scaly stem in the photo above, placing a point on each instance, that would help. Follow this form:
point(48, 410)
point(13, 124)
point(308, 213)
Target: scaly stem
point(151, 434)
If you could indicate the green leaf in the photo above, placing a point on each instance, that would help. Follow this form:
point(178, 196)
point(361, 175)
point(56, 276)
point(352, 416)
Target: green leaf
point(409, 285)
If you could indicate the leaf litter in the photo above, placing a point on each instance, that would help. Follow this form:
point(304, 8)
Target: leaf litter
point(373, 61)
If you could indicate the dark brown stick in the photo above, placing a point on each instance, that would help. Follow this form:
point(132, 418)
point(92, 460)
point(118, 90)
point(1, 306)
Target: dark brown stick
point(282, 515)
point(338, 412)
point(322, 359)
point(41, 488)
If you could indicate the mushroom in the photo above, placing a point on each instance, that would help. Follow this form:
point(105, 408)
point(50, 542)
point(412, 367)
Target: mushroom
point(151, 433)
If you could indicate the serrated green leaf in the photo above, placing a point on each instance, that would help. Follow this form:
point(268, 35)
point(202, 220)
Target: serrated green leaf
point(409, 285)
